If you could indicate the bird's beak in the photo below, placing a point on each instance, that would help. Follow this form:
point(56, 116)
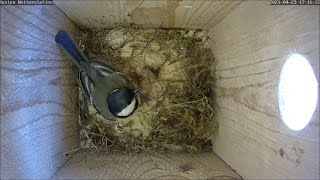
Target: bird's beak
point(137, 90)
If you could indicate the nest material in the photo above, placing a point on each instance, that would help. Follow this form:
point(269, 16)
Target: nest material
point(174, 70)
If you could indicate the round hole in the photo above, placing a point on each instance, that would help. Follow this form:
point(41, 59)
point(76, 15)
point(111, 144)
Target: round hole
point(298, 92)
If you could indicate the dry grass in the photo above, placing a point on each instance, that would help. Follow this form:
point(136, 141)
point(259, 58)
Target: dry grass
point(174, 70)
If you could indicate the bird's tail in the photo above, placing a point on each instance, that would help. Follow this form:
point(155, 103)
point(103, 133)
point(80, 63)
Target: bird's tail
point(66, 42)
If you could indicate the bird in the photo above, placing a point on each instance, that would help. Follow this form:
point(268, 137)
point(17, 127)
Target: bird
point(109, 91)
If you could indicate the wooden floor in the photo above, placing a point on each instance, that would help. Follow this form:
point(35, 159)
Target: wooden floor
point(38, 93)
point(147, 165)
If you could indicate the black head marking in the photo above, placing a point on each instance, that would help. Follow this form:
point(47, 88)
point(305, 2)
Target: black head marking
point(122, 102)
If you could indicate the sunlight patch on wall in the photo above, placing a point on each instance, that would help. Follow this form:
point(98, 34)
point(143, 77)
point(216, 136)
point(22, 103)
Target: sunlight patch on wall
point(298, 92)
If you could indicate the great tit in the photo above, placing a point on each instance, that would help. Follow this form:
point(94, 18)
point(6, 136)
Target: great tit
point(110, 92)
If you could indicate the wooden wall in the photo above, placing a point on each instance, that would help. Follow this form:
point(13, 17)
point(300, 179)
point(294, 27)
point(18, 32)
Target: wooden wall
point(250, 46)
point(38, 93)
point(199, 14)
point(147, 165)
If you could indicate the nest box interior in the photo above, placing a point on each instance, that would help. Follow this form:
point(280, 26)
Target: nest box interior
point(253, 112)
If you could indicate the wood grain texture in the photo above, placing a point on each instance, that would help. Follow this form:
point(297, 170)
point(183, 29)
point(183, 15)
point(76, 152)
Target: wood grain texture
point(200, 14)
point(146, 165)
point(250, 47)
point(38, 93)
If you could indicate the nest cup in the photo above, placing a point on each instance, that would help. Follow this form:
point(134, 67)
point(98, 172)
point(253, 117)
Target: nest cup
point(173, 67)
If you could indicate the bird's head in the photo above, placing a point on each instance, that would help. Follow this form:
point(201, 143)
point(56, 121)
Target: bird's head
point(123, 102)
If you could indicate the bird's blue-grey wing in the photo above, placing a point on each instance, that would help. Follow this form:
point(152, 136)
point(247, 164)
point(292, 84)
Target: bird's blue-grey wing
point(107, 69)
point(98, 100)
point(111, 80)
point(85, 82)
point(104, 66)
point(85, 85)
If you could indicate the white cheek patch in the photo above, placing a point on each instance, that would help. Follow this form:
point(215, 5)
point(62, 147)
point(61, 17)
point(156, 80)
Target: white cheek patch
point(128, 110)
